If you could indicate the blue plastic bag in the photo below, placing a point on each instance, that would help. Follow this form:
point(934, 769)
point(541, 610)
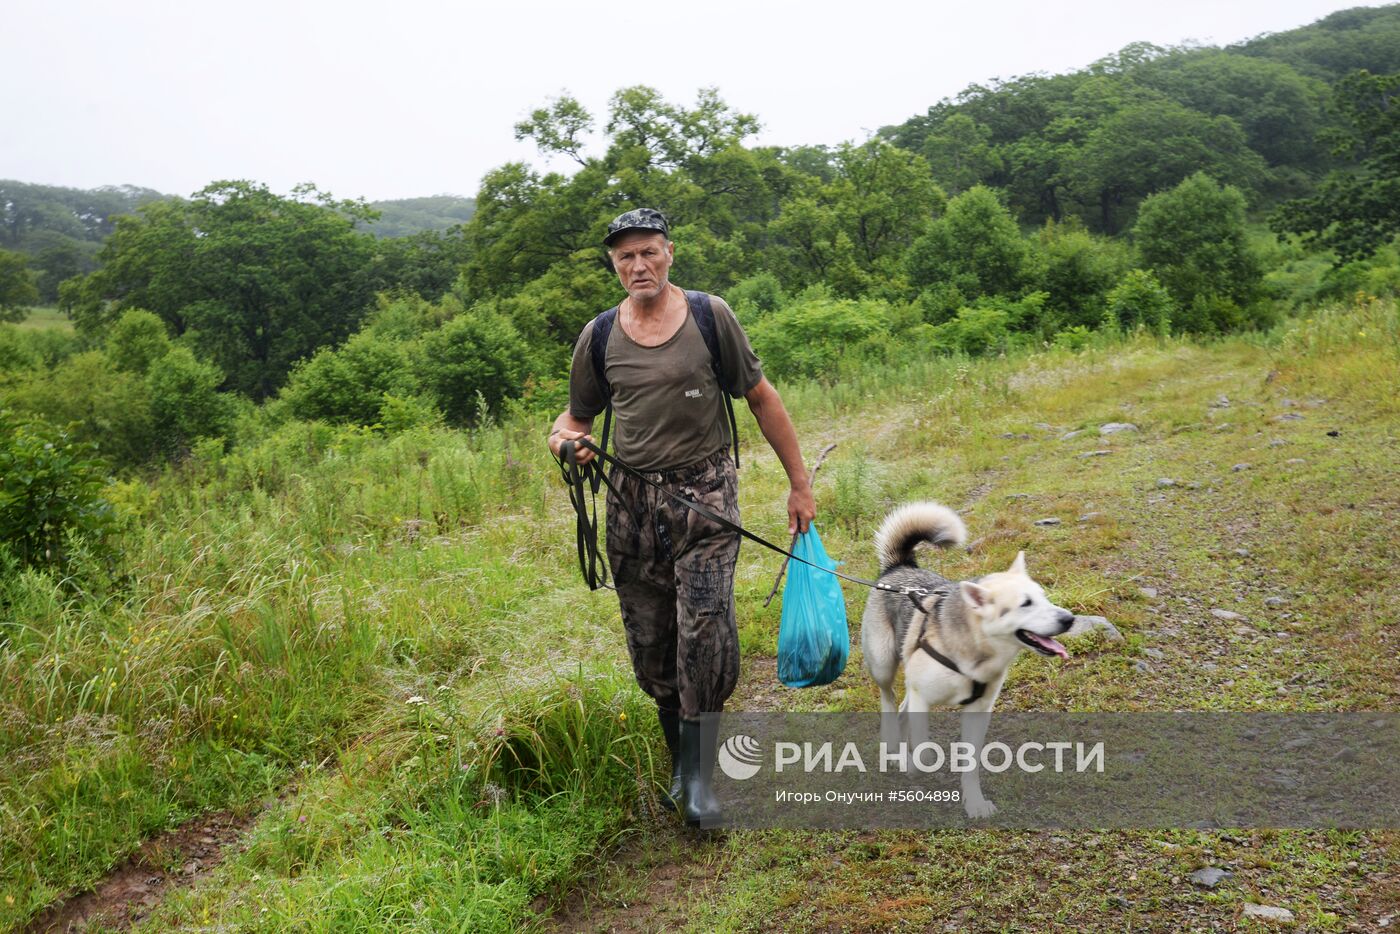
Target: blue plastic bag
point(813, 638)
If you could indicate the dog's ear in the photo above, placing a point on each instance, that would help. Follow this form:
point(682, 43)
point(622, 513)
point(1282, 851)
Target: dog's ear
point(974, 594)
point(928, 604)
point(1019, 565)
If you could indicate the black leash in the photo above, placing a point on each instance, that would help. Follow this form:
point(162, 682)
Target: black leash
point(594, 564)
point(583, 483)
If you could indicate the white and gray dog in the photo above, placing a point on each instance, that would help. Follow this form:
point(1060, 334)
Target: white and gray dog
point(958, 639)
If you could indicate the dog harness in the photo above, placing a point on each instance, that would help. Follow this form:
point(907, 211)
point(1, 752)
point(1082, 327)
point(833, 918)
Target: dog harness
point(978, 687)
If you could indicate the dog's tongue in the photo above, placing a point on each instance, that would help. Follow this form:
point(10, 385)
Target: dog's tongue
point(1049, 643)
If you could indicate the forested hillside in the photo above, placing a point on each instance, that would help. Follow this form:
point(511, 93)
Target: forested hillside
point(60, 230)
point(1095, 142)
point(407, 216)
point(1132, 193)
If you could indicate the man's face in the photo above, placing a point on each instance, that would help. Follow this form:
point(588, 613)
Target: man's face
point(643, 263)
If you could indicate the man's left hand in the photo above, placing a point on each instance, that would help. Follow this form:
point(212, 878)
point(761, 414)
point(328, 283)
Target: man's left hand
point(802, 508)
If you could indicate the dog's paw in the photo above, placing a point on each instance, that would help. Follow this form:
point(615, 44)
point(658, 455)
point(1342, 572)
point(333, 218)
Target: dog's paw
point(980, 808)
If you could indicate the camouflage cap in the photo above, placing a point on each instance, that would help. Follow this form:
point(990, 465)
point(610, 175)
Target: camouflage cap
point(639, 219)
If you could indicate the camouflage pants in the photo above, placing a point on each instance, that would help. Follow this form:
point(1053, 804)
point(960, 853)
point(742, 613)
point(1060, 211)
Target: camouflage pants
point(674, 573)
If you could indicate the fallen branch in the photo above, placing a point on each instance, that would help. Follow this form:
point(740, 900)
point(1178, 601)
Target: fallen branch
point(811, 478)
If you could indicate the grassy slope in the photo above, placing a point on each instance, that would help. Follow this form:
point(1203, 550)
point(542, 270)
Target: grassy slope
point(1313, 519)
point(40, 319)
point(291, 600)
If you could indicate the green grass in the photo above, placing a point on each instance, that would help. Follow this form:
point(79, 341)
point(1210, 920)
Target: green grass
point(41, 319)
point(385, 638)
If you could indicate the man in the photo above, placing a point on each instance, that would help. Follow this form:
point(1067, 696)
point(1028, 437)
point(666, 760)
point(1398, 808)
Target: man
point(673, 568)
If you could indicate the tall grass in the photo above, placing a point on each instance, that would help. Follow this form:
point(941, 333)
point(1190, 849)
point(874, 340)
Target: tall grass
point(391, 624)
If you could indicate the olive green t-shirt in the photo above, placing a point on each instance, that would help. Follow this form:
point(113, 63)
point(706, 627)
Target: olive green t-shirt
point(667, 410)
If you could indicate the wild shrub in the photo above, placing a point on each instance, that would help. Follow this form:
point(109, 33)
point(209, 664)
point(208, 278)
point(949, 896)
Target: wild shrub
point(15, 352)
point(51, 493)
point(404, 317)
point(185, 400)
point(1377, 275)
point(477, 352)
point(1074, 339)
point(100, 404)
point(348, 385)
point(137, 339)
point(1193, 237)
point(756, 296)
point(40, 347)
point(992, 324)
point(810, 335)
point(404, 413)
point(1139, 301)
point(1077, 269)
point(974, 331)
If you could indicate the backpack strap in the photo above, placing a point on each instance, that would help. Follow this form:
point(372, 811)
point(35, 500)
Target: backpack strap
point(703, 311)
point(598, 350)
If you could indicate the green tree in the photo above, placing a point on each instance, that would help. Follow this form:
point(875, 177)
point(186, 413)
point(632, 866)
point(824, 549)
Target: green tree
point(669, 135)
point(550, 310)
point(185, 400)
point(1338, 44)
point(1150, 146)
point(806, 230)
point(1193, 238)
point(1077, 269)
point(1356, 209)
point(27, 210)
point(137, 340)
point(97, 403)
point(476, 355)
point(853, 231)
point(17, 291)
point(1278, 109)
point(1139, 300)
point(559, 128)
point(424, 263)
point(884, 199)
point(974, 247)
point(349, 384)
point(960, 154)
point(56, 258)
point(257, 280)
point(525, 223)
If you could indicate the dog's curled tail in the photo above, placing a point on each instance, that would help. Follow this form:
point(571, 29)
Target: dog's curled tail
point(911, 524)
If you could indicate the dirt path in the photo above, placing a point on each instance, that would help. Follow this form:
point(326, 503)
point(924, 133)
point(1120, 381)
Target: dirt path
point(176, 858)
point(649, 883)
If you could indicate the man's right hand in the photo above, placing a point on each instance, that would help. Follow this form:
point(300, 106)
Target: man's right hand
point(582, 454)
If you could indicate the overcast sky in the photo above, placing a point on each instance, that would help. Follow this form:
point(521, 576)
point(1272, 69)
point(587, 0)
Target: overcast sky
point(392, 100)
